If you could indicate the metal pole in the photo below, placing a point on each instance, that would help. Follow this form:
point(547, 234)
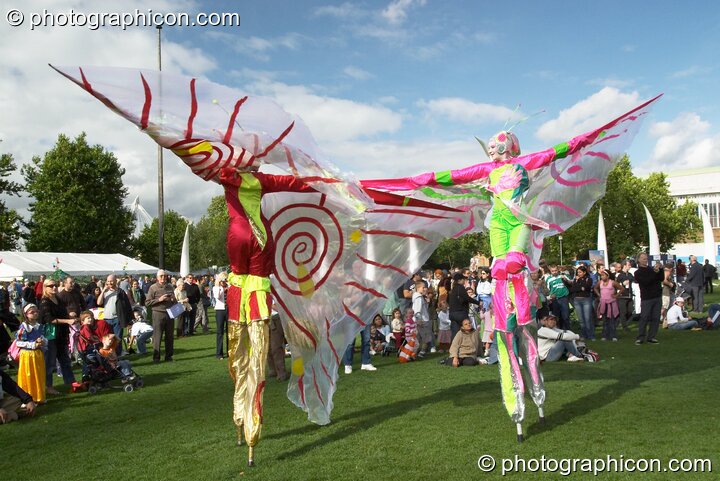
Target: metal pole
point(561, 252)
point(161, 196)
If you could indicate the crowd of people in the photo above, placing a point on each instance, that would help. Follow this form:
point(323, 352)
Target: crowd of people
point(56, 323)
point(451, 312)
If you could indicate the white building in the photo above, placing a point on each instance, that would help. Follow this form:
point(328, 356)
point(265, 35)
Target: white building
point(701, 186)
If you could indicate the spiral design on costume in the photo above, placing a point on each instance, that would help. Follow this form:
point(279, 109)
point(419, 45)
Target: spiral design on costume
point(308, 243)
point(206, 159)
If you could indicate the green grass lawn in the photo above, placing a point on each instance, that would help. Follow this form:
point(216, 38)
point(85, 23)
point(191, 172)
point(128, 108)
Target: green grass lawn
point(419, 421)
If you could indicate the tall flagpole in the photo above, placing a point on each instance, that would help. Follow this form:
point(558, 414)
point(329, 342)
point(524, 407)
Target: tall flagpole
point(161, 195)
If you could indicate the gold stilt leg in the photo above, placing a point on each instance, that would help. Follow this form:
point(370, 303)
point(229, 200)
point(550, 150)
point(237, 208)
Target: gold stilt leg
point(251, 459)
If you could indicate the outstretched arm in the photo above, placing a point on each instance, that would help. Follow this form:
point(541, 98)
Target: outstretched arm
point(433, 179)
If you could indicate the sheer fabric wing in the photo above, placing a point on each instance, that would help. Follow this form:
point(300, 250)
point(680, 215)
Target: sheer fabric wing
point(333, 271)
point(567, 180)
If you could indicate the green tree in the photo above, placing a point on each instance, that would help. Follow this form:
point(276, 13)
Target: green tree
point(624, 217)
point(458, 252)
point(208, 245)
point(78, 201)
point(146, 245)
point(9, 219)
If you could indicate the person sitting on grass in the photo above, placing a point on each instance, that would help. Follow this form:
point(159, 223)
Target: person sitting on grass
point(140, 331)
point(465, 347)
point(554, 344)
point(14, 402)
point(677, 317)
point(378, 335)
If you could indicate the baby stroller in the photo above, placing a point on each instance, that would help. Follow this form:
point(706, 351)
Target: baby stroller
point(390, 347)
point(98, 373)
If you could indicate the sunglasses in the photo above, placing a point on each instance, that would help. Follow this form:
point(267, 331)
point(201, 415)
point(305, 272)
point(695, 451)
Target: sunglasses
point(51, 286)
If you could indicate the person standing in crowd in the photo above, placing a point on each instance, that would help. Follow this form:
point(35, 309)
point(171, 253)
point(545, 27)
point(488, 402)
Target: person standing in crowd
point(624, 300)
point(72, 298)
point(159, 298)
point(31, 368)
point(40, 287)
point(709, 271)
point(28, 293)
point(650, 282)
point(695, 281)
point(137, 296)
point(581, 289)
point(92, 284)
point(607, 291)
point(557, 284)
point(459, 303)
point(193, 296)
point(218, 292)
point(57, 332)
point(146, 285)
point(680, 272)
point(276, 353)
point(201, 318)
point(117, 310)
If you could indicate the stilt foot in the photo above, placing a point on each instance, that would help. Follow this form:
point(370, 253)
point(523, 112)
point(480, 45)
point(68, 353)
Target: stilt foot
point(251, 457)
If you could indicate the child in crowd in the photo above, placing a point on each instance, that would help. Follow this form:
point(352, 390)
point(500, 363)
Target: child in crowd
point(408, 351)
point(444, 331)
point(108, 351)
point(140, 331)
point(31, 340)
point(608, 291)
point(422, 319)
point(488, 328)
point(484, 288)
point(377, 335)
point(91, 331)
point(398, 327)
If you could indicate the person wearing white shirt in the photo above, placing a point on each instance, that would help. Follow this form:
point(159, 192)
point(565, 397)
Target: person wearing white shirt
point(218, 293)
point(677, 318)
point(553, 343)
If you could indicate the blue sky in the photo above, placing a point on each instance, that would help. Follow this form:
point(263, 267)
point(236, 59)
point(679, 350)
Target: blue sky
point(388, 88)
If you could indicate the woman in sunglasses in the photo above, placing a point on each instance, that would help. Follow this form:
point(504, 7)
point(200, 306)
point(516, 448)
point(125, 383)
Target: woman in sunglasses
point(57, 331)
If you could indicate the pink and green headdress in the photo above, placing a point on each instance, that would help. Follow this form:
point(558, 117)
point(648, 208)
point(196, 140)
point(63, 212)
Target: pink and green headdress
point(504, 141)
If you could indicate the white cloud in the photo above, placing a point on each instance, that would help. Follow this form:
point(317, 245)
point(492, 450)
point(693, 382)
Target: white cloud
point(396, 12)
point(610, 82)
point(331, 118)
point(357, 73)
point(38, 104)
point(346, 10)
point(466, 111)
point(685, 142)
point(692, 71)
point(257, 47)
point(629, 48)
point(387, 159)
point(596, 110)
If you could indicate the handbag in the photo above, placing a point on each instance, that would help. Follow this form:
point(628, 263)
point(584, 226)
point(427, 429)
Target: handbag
point(14, 350)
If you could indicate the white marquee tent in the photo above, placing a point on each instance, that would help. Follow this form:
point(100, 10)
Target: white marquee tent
point(19, 265)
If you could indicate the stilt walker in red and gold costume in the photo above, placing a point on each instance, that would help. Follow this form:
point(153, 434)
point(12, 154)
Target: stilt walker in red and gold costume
point(251, 252)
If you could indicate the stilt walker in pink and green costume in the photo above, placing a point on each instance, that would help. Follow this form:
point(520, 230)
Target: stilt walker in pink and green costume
point(518, 214)
point(515, 329)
